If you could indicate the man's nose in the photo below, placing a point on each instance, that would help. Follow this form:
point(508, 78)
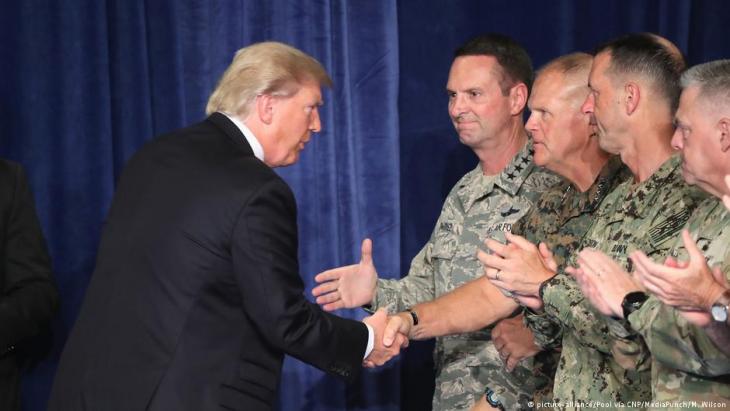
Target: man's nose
point(315, 124)
point(588, 105)
point(457, 106)
point(531, 124)
point(677, 139)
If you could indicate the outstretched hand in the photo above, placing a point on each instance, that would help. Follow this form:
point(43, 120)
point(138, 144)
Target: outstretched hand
point(349, 286)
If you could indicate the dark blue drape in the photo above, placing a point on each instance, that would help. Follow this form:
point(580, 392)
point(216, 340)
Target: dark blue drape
point(85, 83)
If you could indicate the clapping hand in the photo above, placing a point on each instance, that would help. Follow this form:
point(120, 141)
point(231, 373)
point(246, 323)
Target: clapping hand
point(519, 267)
point(603, 281)
point(689, 286)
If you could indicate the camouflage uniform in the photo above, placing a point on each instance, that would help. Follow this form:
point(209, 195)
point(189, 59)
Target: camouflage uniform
point(560, 218)
point(686, 364)
point(476, 208)
point(563, 215)
point(646, 216)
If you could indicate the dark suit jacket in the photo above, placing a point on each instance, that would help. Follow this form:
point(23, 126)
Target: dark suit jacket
point(28, 295)
point(196, 295)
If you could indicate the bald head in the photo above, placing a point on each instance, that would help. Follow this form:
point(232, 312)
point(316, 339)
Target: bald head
point(573, 64)
point(572, 70)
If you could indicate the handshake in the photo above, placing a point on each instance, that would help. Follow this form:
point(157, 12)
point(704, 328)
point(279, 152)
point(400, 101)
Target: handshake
point(354, 286)
point(391, 335)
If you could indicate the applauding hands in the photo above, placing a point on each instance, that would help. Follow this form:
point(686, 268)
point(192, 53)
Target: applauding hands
point(518, 268)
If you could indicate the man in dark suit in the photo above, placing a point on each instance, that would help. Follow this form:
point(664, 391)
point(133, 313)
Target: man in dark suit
point(196, 295)
point(28, 295)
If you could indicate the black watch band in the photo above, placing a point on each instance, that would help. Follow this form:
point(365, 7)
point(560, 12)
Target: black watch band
point(632, 302)
point(414, 316)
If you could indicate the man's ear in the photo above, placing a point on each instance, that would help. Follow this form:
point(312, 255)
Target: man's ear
point(632, 95)
point(265, 108)
point(724, 126)
point(518, 98)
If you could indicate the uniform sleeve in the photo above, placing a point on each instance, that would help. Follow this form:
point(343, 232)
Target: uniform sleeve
point(677, 343)
point(547, 329)
point(419, 285)
point(29, 297)
point(264, 250)
point(564, 300)
point(416, 287)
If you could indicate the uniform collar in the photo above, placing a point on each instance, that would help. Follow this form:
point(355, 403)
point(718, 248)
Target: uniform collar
point(476, 186)
point(645, 192)
point(612, 173)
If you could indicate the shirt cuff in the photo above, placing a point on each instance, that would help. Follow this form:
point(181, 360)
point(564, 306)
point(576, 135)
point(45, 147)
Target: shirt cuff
point(371, 341)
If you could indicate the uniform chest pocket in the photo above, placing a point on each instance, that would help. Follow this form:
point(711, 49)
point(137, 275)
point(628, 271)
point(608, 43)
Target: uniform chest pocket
point(446, 240)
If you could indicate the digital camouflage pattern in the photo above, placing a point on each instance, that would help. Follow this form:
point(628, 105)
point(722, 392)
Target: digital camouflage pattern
point(477, 207)
point(686, 364)
point(646, 216)
point(560, 218)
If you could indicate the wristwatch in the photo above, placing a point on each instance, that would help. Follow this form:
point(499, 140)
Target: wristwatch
point(414, 316)
point(632, 302)
point(493, 401)
point(720, 308)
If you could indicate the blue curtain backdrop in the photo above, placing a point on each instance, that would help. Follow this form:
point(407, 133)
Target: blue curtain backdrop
point(85, 83)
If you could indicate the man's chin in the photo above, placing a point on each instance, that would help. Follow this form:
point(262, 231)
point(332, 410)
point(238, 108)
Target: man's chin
point(464, 138)
point(607, 147)
point(689, 178)
point(291, 159)
point(540, 157)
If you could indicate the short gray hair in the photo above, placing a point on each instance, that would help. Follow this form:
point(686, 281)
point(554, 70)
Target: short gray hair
point(569, 64)
point(713, 80)
point(264, 68)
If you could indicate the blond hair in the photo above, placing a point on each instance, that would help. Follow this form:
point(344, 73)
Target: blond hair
point(570, 64)
point(264, 68)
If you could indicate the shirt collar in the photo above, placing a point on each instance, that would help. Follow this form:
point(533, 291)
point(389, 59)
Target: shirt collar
point(256, 147)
